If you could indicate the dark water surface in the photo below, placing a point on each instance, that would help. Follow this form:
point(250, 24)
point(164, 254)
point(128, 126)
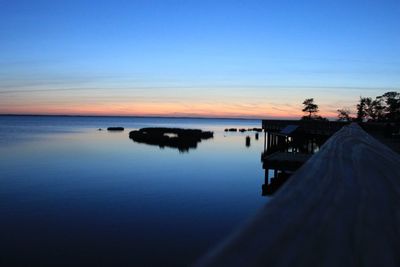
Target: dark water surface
point(72, 195)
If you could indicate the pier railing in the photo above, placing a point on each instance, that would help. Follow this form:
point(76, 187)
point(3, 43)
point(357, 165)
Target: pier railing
point(341, 208)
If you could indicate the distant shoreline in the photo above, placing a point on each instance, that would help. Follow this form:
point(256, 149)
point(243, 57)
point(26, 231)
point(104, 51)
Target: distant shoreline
point(127, 116)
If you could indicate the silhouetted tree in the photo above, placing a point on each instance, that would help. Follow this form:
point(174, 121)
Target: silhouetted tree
point(310, 107)
point(384, 108)
point(392, 108)
point(376, 110)
point(362, 108)
point(344, 114)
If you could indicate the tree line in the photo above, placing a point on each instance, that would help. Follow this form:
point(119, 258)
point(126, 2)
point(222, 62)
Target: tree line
point(384, 108)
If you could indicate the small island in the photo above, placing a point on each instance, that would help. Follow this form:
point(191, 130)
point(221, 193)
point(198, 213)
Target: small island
point(115, 128)
point(182, 139)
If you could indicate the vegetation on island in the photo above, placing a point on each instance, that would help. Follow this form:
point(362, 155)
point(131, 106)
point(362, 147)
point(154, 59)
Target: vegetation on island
point(182, 139)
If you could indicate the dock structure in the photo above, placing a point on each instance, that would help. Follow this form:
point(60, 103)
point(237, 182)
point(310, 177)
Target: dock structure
point(282, 165)
point(284, 160)
point(288, 145)
point(341, 208)
point(307, 127)
point(301, 133)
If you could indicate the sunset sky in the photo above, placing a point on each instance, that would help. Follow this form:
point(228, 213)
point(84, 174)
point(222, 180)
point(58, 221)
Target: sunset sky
point(195, 58)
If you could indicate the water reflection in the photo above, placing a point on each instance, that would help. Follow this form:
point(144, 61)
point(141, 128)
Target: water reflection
point(72, 194)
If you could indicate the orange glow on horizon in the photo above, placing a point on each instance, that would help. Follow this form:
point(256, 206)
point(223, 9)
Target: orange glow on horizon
point(164, 109)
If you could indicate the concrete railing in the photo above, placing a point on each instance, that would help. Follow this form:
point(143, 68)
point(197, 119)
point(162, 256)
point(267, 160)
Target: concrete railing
point(341, 208)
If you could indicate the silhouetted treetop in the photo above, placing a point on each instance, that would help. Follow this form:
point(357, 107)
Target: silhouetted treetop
point(310, 107)
point(383, 108)
point(344, 114)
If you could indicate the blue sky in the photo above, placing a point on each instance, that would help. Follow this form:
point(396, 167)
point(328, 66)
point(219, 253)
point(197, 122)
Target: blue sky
point(222, 58)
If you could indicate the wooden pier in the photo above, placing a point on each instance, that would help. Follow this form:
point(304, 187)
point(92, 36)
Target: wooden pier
point(303, 135)
point(287, 147)
point(285, 160)
point(307, 127)
point(341, 208)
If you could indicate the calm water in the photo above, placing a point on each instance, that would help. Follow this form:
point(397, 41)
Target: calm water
point(72, 195)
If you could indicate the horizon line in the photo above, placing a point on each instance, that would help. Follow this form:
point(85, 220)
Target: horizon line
point(156, 116)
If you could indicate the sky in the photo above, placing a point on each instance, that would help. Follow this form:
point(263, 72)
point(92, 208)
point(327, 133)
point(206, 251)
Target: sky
point(253, 59)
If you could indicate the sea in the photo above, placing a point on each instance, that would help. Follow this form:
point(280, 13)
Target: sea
point(74, 195)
